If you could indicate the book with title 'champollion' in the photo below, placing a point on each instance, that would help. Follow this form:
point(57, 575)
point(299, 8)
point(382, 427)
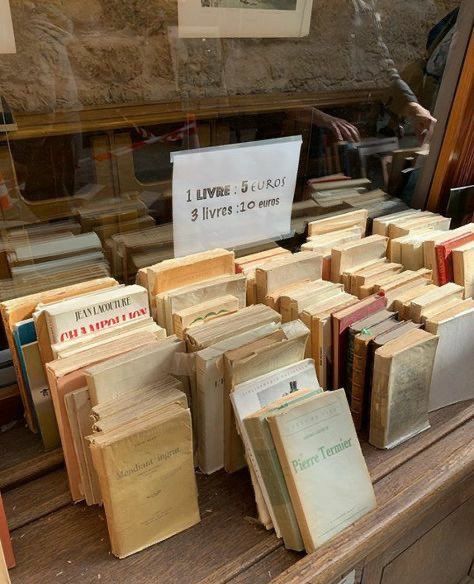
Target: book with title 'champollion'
point(77, 317)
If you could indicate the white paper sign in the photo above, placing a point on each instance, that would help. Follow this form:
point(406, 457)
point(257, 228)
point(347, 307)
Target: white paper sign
point(232, 195)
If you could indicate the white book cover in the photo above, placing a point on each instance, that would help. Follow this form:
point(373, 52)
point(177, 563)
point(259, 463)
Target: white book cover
point(452, 380)
point(251, 396)
point(83, 315)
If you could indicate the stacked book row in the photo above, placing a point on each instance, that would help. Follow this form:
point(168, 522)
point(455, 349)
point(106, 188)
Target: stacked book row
point(218, 362)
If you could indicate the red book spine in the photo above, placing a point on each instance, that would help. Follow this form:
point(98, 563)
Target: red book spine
point(440, 253)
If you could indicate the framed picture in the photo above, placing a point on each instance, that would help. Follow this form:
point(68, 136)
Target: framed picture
point(244, 18)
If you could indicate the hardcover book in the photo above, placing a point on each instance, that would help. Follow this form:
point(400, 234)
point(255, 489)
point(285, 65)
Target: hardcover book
point(401, 388)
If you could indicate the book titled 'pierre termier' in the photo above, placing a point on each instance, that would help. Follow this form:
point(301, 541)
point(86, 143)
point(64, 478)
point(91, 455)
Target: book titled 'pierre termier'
point(77, 317)
point(324, 468)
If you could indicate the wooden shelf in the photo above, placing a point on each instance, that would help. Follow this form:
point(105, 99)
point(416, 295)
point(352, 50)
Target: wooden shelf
point(55, 541)
point(113, 117)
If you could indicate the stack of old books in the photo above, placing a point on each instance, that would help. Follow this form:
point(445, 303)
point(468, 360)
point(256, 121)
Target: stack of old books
point(34, 258)
point(99, 348)
point(309, 473)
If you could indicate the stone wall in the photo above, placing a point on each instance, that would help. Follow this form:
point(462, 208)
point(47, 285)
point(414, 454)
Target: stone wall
point(74, 53)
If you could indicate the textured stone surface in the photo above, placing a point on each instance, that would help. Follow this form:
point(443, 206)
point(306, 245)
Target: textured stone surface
point(92, 52)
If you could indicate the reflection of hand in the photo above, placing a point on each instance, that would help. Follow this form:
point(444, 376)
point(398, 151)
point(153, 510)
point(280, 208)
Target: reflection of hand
point(341, 129)
point(423, 122)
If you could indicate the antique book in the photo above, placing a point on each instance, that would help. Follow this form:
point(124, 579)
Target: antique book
point(188, 296)
point(135, 404)
point(243, 262)
point(463, 268)
point(273, 299)
point(444, 256)
point(85, 481)
point(411, 250)
point(69, 348)
point(264, 459)
point(453, 370)
point(323, 465)
point(88, 314)
point(434, 221)
point(179, 272)
point(6, 548)
point(323, 244)
point(380, 224)
point(203, 312)
point(429, 246)
point(369, 277)
point(135, 368)
point(355, 253)
point(317, 318)
point(357, 327)
point(304, 265)
point(147, 479)
point(209, 365)
point(406, 296)
point(250, 361)
point(438, 296)
point(338, 222)
point(66, 375)
point(293, 302)
point(40, 394)
point(402, 282)
point(341, 321)
point(204, 335)
point(248, 398)
point(24, 335)
point(401, 388)
point(346, 276)
point(18, 309)
point(361, 375)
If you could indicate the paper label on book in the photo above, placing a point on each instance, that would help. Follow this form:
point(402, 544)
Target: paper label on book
point(233, 195)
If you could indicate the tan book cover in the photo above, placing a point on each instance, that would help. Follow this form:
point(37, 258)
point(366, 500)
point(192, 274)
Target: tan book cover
point(351, 254)
point(401, 388)
point(147, 480)
point(135, 368)
point(463, 267)
point(370, 278)
point(189, 296)
point(406, 296)
point(289, 299)
point(304, 265)
point(200, 313)
point(380, 224)
point(66, 375)
point(209, 364)
point(273, 300)
point(18, 309)
point(342, 221)
point(323, 465)
point(437, 222)
point(440, 294)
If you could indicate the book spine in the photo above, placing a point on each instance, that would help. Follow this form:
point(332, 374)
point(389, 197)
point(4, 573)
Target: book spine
point(379, 402)
point(349, 364)
point(291, 484)
point(271, 474)
point(440, 255)
point(358, 381)
point(210, 408)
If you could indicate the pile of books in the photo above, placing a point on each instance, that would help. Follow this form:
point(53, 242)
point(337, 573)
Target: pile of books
point(36, 257)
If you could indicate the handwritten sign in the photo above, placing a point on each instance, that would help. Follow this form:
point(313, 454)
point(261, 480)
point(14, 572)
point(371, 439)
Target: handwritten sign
point(233, 195)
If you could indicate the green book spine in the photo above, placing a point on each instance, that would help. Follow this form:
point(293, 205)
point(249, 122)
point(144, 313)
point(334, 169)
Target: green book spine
point(272, 476)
